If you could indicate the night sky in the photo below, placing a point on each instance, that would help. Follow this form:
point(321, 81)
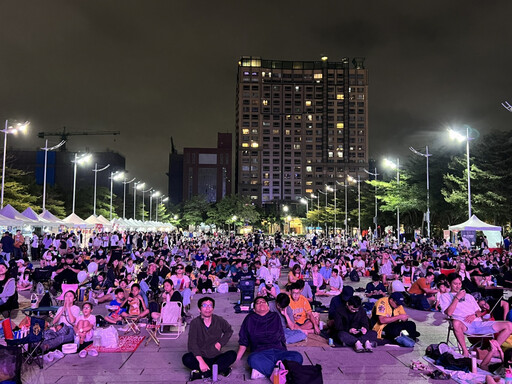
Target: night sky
point(156, 69)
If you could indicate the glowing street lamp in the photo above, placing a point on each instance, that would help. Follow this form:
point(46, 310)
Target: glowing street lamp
point(137, 185)
point(457, 136)
point(143, 202)
point(114, 176)
point(125, 183)
point(426, 155)
point(19, 127)
point(82, 159)
point(46, 149)
point(390, 164)
point(153, 194)
point(162, 200)
point(96, 170)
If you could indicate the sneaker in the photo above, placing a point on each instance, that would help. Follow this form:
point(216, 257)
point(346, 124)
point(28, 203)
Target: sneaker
point(203, 291)
point(83, 353)
point(93, 353)
point(195, 375)
point(49, 357)
point(227, 372)
point(58, 354)
point(255, 375)
point(209, 290)
point(368, 347)
point(358, 347)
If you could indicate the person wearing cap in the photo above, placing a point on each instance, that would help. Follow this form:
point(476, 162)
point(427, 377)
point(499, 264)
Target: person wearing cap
point(262, 332)
point(352, 327)
point(268, 289)
point(340, 300)
point(390, 318)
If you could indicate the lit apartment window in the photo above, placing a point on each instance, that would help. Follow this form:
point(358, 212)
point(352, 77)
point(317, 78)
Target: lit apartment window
point(340, 154)
point(245, 131)
point(309, 169)
point(265, 102)
point(318, 76)
point(308, 103)
point(255, 145)
point(309, 190)
point(331, 154)
point(340, 96)
point(339, 125)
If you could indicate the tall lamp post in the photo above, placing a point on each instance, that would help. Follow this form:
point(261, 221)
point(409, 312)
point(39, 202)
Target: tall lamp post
point(10, 130)
point(125, 183)
point(46, 149)
point(426, 155)
point(358, 181)
point(96, 170)
point(324, 193)
point(162, 200)
point(374, 174)
point(143, 202)
point(82, 159)
point(153, 194)
point(454, 135)
point(118, 175)
point(390, 164)
point(137, 185)
point(317, 197)
point(328, 189)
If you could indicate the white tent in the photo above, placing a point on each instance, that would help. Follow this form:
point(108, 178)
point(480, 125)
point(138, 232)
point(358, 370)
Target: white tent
point(10, 212)
point(474, 224)
point(51, 218)
point(32, 215)
point(7, 222)
point(93, 220)
point(76, 221)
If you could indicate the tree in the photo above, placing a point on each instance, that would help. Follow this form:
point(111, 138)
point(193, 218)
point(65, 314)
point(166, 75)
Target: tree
point(194, 210)
point(16, 190)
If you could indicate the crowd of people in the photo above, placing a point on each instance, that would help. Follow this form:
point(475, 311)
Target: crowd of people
point(136, 273)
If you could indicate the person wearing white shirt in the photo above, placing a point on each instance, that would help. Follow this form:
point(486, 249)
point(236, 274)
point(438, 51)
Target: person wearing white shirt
point(34, 246)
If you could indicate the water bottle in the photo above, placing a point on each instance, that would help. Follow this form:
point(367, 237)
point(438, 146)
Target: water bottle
point(331, 342)
point(215, 372)
point(97, 340)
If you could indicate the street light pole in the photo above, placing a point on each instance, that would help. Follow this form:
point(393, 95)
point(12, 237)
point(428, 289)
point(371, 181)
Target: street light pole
point(96, 170)
point(78, 159)
point(143, 202)
point(14, 130)
point(426, 155)
point(113, 175)
point(124, 195)
point(396, 166)
point(375, 174)
point(46, 149)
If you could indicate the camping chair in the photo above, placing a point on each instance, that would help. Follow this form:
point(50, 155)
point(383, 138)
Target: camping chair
point(476, 340)
point(43, 276)
point(169, 325)
point(29, 343)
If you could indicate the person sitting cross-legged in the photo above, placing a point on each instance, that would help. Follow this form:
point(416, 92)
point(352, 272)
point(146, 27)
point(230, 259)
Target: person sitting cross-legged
point(352, 326)
point(467, 315)
point(303, 316)
point(263, 333)
point(207, 335)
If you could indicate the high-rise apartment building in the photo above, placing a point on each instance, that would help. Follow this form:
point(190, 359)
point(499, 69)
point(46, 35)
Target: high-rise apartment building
point(300, 125)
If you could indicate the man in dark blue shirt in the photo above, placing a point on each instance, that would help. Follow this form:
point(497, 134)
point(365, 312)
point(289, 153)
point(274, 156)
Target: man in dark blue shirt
point(7, 246)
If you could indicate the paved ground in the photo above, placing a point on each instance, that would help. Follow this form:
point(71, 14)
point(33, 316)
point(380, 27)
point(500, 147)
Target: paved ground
point(152, 364)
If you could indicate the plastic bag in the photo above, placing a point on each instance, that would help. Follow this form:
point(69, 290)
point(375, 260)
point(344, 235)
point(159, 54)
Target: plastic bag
point(223, 288)
point(279, 373)
point(109, 337)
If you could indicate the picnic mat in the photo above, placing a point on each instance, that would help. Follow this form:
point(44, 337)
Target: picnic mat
point(460, 376)
point(312, 341)
point(126, 344)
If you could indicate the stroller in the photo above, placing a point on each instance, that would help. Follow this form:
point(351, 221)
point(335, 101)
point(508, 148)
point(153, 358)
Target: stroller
point(246, 295)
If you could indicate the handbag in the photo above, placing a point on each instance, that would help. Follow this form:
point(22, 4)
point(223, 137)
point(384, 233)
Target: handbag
point(303, 374)
point(279, 373)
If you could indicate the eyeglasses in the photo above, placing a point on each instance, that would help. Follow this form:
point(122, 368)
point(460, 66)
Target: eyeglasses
point(179, 268)
point(207, 305)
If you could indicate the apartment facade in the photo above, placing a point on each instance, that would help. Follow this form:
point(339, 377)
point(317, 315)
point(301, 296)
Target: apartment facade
point(300, 125)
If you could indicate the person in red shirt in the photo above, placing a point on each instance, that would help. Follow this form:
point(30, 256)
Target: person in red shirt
point(422, 295)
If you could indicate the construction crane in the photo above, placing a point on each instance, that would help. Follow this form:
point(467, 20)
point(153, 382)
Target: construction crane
point(64, 135)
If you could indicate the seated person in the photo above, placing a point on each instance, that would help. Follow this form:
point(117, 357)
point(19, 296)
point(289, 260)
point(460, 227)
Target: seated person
point(292, 332)
point(24, 282)
point(390, 318)
point(303, 316)
point(168, 294)
point(117, 312)
point(204, 283)
point(66, 272)
point(182, 284)
point(263, 333)
point(8, 294)
point(85, 324)
point(335, 282)
point(375, 289)
point(207, 335)
point(245, 273)
point(269, 289)
point(422, 295)
point(64, 321)
point(386, 268)
point(442, 287)
point(352, 326)
point(467, 315)
point(135, 304)
point(359, 265)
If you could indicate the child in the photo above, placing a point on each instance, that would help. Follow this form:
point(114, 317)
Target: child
point(443, 287)
point(85, 324)
point(117, 312)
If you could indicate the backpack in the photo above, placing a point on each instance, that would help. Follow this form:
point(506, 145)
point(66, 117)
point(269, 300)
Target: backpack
point(354, 276)
point(303, 374)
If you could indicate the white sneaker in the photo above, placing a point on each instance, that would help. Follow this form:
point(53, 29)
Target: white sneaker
point(49, 357)
point(321, 325)
point(58, 354)
point(203, 291)
point(255, 375)
point(209, 290)
point(93, 353)
point(368, 346)
point(83, 353)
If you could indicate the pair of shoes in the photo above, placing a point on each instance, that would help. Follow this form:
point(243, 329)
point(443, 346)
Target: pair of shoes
point(197, 375)
point(93, 353)
point(227, 372)
point(58, 354)
point(368, 347)
point(49, 357)
point(83, 353)
point(358, 347)
point(255, 375)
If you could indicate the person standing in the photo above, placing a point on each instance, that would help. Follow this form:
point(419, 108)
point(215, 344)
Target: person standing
point(18, 242)
point(34, 246)
point(207, 335)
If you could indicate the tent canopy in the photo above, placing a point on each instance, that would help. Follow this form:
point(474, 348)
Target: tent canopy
point(50, 217)
point(474, 224)
point(10, 212)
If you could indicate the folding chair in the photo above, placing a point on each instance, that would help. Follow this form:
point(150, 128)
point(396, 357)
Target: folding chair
point(169, 325)
point(476, 340)
point(30, 343)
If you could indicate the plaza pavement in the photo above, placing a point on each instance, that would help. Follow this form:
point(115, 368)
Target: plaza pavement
point(153, 364)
